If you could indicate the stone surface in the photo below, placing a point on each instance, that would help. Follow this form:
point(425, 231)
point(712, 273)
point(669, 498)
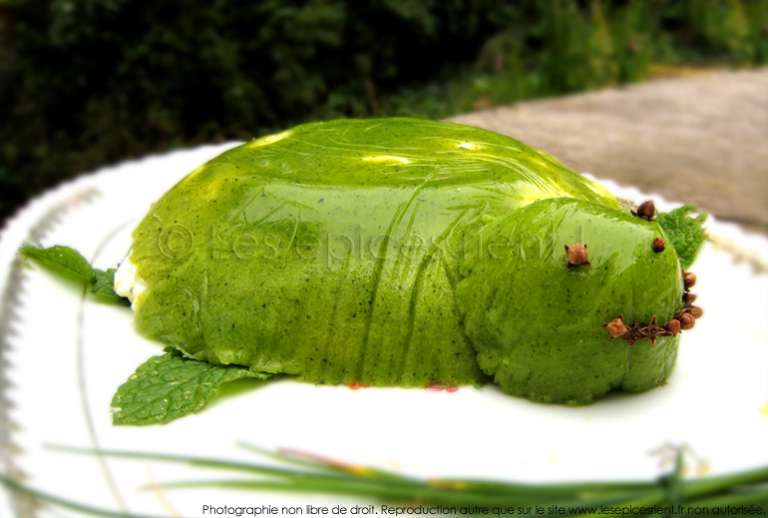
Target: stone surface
point(701, 139)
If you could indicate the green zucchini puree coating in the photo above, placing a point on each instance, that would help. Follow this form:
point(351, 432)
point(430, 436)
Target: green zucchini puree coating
point(405, 252)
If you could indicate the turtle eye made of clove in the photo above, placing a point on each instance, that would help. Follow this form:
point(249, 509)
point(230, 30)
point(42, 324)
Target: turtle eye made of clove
point(646, 210)
point(577, 255)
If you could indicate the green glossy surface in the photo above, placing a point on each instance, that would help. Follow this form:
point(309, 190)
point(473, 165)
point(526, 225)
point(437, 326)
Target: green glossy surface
point(340, 252)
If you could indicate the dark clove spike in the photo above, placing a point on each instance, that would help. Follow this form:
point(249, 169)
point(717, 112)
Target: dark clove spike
point(652, 330)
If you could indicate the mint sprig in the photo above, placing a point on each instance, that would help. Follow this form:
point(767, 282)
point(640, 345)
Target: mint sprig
point(169, 386)
point(685, 231)
point(102, 286)
point(69, 264)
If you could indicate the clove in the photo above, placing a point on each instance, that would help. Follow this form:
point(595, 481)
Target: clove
point(635, 332)
point(616, 327)
point(673, 327)
point(652, 331)
point(687, 321)
point(646, 210)
point(577, 255)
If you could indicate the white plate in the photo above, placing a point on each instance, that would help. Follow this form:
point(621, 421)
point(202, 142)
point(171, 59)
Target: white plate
point(67, 356)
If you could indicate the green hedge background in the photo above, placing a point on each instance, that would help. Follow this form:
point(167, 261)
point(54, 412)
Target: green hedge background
point(89, 82)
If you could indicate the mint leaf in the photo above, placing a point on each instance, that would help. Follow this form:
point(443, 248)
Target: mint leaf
point(170, 386)
point(63, 261)
point(685, 231)
point(102, 286)
point(69, 264)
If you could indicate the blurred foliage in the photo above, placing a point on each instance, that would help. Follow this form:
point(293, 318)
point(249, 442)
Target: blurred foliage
point(89, 82)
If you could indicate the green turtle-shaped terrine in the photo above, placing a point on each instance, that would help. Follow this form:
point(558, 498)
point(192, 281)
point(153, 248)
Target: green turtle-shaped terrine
point(409, 252)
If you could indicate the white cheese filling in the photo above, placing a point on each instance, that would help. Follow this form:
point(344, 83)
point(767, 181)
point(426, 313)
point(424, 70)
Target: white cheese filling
point(128, 284)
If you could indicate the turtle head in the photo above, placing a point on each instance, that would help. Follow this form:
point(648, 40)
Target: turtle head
point(542, 291)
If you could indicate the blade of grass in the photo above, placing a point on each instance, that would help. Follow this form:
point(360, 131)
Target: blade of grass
point(303, 459)
point(709, 485)
point(327, 476)
point(759, 497)
point(354, 488)
point(574, 488)
point(690, 491)
point(201, 462)
point(310, 460)
point(64, 503)
point(567, 491)
point(375, 490)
